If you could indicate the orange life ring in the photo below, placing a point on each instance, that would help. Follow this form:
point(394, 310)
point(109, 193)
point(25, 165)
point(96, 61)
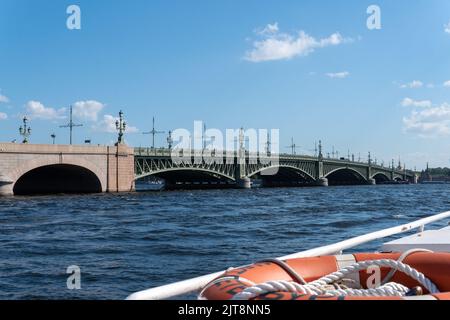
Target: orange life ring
point(435, 266)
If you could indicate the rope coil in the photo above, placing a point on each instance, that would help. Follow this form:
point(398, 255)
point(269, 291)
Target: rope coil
point(322, 285)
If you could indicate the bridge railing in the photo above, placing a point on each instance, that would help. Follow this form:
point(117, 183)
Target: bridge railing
point(143, 151)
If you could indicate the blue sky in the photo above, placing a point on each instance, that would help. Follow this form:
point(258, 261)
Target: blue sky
point(310, 68)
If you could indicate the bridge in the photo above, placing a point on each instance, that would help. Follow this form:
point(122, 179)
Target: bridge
point(216, 169)
point(43, 169)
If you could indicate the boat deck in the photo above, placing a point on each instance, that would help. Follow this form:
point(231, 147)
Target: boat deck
point(434, 240)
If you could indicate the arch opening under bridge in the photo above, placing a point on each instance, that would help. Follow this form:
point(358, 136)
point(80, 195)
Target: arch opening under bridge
point(344, 177)
point(57, 179)
point(381, 178)
point(282, 175)
point(180, 178)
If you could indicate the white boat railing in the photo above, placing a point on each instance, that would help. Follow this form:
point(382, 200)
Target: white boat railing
point(196, 284)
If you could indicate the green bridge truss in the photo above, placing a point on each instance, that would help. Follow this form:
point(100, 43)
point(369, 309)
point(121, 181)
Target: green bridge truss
point(231, 167)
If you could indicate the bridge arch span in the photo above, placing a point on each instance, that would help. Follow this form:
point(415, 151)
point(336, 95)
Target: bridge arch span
point(281, 166)
point(282, 175)
point(46, 175)
point(187, 175)
point(345, 176)
point(381, 177)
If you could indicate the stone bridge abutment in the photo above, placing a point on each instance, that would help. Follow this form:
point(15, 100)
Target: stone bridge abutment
point(42, 169)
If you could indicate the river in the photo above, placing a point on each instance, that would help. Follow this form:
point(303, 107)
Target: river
point(128, 242)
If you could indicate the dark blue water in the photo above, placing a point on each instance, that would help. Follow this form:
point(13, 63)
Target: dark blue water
point(129, 242)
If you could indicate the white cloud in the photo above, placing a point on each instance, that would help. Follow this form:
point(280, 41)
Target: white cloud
point(447, 27)
point(412, 85)
point(429, 122)
point(3, 116)
point(37, 110)
point(430, 85)
point(408, 102)
point(87, 110)
point(281, 46)
point(447, 84)
point(108, 124)
point(268, 30)
point(3, 99)
point(338, 75)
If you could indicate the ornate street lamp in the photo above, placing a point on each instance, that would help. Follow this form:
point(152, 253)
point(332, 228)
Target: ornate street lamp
point(25, 131)
point(170, 140)
point(121, 127)
point(320, 150)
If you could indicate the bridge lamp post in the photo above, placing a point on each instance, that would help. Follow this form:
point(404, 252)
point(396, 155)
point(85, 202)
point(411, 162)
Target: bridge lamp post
point(170, 140)
point(320, 155)
point(293, 147)
point(153, 132)
point(71, 125)
point(213, 144)
point(53, 136)
point(121, 126)
point(25, 131)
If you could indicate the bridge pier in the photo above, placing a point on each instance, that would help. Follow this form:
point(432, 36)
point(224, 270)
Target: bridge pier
point(6, 186)
point(244, 183)
point(322, 182)
point(372, 182)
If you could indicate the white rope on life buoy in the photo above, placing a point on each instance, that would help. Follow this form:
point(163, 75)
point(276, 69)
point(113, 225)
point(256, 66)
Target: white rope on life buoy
point(321, 286)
